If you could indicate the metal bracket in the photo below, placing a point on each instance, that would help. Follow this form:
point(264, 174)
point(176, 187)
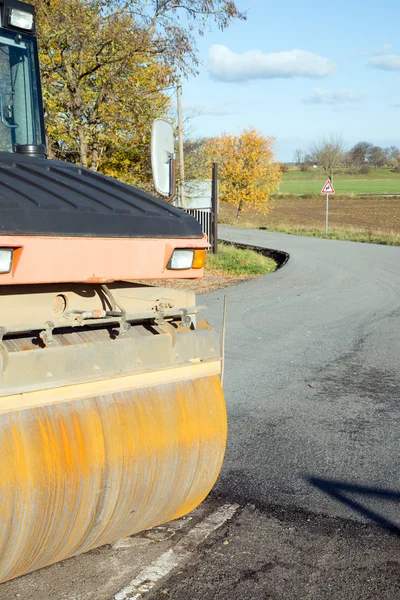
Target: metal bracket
point(2, 114)
point(124, 326)
point(3, 351)
point(47, 334)
point(159, 317)
point(186, 321)
point(172, 331)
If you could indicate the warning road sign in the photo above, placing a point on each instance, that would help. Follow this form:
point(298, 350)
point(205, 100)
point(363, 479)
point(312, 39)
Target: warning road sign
point(328, 188)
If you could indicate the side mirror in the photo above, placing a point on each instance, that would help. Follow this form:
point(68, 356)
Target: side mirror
point(163, 158)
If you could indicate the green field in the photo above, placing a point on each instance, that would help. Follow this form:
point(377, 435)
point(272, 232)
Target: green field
point(378, 181)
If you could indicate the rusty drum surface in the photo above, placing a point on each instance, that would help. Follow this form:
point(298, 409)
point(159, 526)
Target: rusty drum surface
point(79, 472)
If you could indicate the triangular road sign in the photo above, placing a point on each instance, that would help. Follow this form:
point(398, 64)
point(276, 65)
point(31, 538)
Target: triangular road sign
point(328, 188)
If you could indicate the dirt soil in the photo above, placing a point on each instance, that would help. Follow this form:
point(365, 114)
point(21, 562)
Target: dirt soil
point(210, 282)
point(371, 213)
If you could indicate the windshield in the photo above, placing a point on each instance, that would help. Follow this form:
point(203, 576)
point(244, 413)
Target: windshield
point(20, 102)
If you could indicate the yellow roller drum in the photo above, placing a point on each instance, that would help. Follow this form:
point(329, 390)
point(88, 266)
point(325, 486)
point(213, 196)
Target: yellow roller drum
point(79, 470)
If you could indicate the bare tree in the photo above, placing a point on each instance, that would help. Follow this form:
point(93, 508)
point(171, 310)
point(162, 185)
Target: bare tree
point(377, 157)
point(329, 154)
point(393, 152)
point(358, 154)
point(298, 156)
point(197, 163)
point(393, 158)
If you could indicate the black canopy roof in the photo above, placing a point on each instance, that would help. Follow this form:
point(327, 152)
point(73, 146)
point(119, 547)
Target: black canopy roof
point(53, 198)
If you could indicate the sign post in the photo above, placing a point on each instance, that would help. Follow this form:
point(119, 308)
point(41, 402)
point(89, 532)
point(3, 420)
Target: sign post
point(327, 189)
point(214, 209)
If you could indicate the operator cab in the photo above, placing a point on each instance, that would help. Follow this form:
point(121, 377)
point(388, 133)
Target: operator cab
point(21, 108)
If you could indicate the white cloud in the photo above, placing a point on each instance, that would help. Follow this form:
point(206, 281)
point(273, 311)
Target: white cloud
point(333, 98)
point(384, 49)
point(225, 65)
point(388, 62)
point(214, 110)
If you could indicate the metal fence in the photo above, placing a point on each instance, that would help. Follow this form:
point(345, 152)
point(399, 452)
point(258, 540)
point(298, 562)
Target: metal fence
point(204, 217)
point(208, 217)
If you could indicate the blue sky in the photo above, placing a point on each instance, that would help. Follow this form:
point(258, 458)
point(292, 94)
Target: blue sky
point(300, 71)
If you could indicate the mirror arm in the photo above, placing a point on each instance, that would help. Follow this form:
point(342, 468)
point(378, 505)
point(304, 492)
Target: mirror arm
point(172, 163)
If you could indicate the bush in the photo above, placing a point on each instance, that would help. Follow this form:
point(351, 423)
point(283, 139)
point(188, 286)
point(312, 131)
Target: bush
point(365, 169)
point(349, 171)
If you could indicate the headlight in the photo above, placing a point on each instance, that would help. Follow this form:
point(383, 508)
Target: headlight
point(6, 256)
point(187, 259)
point(20, 19)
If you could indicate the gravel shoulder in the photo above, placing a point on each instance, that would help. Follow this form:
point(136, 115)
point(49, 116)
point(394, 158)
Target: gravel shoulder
point(210, 282)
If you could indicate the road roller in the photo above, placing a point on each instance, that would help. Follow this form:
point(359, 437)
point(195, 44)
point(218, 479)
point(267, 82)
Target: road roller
point(112, 415)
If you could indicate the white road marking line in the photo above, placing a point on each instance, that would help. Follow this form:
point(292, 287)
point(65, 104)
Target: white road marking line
point(164, 564)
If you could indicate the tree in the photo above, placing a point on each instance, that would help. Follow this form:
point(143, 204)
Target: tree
point(298, 156)
point(197, 165)
point(100, 82)
point(393, 152)
point(358, 154)
point(377, 157)
point(393, 158)
point(247, 171)
point(104, 66)
point(329, 155)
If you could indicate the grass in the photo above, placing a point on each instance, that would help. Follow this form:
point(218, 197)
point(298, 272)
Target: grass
point(236, 261)
point(377, 181)
point(369, 219)
point(345, 235)
point(355, 186)
point(313, 174)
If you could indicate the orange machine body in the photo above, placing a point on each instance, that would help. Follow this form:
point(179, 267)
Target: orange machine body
point(39, 259)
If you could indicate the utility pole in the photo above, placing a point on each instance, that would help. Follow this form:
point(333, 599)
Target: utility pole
point(180, 138)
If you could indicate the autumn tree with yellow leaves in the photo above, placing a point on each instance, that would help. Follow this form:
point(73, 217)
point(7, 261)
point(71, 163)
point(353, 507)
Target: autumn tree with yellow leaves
point(108, 69)
point(247, 171)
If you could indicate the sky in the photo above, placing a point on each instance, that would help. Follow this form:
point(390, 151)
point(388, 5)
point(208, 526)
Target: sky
point(301, 72)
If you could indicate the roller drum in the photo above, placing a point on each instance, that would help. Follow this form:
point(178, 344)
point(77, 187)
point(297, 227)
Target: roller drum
point(78, 473)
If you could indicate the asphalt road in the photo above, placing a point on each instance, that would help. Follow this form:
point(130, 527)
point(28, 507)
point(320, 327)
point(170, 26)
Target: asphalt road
point(312, 380)
point(259, 557)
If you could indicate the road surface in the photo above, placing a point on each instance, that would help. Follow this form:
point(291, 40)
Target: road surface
point(312, 379)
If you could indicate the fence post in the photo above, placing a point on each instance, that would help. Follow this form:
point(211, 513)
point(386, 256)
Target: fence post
point(214, 209)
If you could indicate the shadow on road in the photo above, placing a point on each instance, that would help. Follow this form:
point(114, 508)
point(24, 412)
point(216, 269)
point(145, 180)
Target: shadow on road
point(342, 492)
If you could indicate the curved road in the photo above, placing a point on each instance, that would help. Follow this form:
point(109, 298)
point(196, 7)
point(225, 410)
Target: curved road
point(312, 379)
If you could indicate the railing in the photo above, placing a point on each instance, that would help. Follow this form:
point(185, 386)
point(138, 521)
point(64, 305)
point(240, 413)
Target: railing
point(208, 217)
point(204, 217)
